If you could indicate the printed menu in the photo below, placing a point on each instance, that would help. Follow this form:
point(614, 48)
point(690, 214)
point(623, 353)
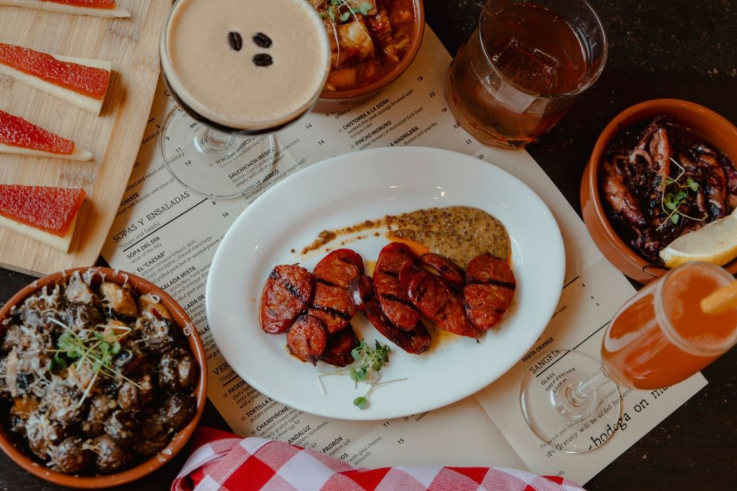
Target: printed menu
point(169, 235)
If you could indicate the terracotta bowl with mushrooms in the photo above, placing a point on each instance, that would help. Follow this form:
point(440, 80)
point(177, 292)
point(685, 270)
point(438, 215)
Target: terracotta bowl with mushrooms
point(102, 378)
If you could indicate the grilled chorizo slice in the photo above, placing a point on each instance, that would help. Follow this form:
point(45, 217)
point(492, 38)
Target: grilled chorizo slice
point(339, 267)
point(435, 299)
point(331, 302)
point(392, 297)
point(287, 293)
point(339, 347)
point(414, 341)
point(447, 269)
point(488, 291)
point(307, 338)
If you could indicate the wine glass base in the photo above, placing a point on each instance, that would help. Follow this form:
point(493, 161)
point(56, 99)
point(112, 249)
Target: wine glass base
point(212, 164)
point(567, 427)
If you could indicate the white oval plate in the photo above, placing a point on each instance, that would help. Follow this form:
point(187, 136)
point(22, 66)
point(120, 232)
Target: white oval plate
point(349, 189)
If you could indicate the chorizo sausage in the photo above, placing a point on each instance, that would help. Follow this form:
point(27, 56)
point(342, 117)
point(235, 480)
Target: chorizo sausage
point(307, 338)
point(488, 291)
point(392, 297)
point(447, 269)
point(331, 302)
point(339, 347)
point(287, 293)
point(414, 341)
point(435, 299)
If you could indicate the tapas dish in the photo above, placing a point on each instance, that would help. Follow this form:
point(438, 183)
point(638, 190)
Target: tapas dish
point(46, 214)
point(659, 187)
point(663, 181)
point(21, 137)
point(368, 39)
point(80, 82)
point(314, 293)
point(372, 42)
point(315, 308)
point(101, 377)
point(95, 8)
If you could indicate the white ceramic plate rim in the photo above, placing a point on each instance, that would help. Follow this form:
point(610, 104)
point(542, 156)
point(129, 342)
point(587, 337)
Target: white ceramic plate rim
point(367, 185)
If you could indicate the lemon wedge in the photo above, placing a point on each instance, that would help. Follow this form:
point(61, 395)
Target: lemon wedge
point(715, 243)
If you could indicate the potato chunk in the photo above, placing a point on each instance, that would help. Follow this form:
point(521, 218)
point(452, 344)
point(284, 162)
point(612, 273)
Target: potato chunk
point(354, 38)
point(342, 78)
point(149, 303)
point(118, 299)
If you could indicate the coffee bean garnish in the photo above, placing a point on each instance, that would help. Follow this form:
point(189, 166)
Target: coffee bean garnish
point(262, 40)
point(235, 40)
point(262, 60)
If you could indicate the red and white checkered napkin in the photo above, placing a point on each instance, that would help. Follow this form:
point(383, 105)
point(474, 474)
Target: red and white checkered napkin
point(221, 461)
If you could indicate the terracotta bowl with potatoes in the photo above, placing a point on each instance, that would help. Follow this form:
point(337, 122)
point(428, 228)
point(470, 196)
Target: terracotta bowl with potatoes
point(102, 378)
point(372, 43)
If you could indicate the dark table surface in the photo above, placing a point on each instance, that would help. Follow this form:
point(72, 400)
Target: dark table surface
point(683, 49)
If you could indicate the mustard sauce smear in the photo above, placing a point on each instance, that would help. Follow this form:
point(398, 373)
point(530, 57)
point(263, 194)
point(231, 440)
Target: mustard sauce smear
point(459, 233)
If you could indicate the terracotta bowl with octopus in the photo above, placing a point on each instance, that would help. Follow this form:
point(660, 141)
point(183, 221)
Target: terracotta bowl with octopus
point(714, 128)
point(142, 287)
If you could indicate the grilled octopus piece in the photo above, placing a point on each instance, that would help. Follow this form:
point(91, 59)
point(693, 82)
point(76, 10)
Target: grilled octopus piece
point(716, 185)
point(619, 198)
point(661, 152)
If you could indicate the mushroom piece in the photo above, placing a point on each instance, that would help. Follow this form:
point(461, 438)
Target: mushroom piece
point(178, 410)
point(42, 434)
point(78, 315)
point(118, 299)
point(77, 291)
point(135, 395)
point(69, 456)
point(63, 405)
point(154, 436)
point(158, 335)
point(123, 427)
point(109, 456)
point(178, 371)
point(101, 407)
point(14, 336)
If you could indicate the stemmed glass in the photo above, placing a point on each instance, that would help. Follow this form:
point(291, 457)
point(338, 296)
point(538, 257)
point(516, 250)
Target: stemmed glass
point(666, 333)
point(239, 71)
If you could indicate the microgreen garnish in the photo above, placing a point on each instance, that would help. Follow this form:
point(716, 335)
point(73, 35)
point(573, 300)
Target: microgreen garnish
point(674, 194)
point(369, 363)
point(340, 10)
point(96, 351)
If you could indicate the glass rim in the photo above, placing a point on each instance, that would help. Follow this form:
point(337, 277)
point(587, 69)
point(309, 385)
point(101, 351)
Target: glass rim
point(566, 95)
point(667, 327)
point(269, 126)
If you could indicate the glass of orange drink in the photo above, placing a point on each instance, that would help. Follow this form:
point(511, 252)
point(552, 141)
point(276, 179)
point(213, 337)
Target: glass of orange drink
point(666, 333)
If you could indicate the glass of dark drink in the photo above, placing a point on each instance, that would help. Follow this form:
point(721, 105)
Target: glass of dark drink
point(520, 70)
point(240, 70)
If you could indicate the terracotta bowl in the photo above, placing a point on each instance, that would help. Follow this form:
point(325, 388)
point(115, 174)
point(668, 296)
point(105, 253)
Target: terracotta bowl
point(716, 130)
point(332, 100)
point(19, 455)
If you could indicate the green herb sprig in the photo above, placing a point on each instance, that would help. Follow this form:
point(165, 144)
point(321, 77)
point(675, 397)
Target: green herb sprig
point(369, 363)
point(672, 200)
point(334, 7)
point(97, 352)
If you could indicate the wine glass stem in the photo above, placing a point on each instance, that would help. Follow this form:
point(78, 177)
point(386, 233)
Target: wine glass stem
point(208, 140)
point(580, 395)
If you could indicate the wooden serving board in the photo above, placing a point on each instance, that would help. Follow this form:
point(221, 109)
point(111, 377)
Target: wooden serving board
point(132, 45)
